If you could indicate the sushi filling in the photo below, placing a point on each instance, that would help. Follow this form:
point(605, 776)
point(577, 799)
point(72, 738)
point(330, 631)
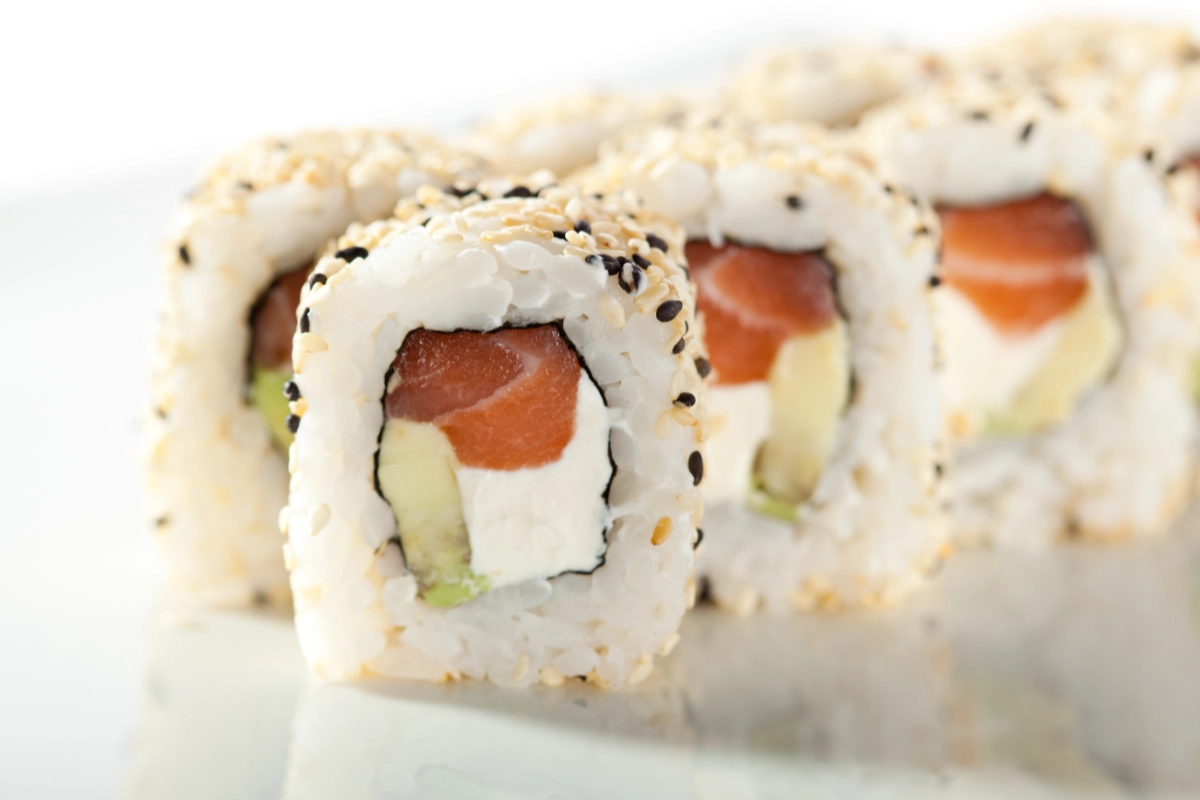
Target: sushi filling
point(272, 325)
point(494, 458)
point(780, 355)
point(1031, 324)
point(1192, 165)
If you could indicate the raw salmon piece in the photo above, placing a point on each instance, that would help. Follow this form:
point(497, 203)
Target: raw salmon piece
point(1022, 264)
point(273, 321)
point(753, 300)
point(505, 399)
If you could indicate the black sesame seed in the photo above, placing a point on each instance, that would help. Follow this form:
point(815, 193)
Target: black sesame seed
point(1027, 131)
point(260, 598)
point(641, 261)
point(161, 521)
point(305, 324)
point(934, 281)
point(184, 255)
point(291, 391)
point(921, 231)
point(703, 367)
point(611, 265)
point(583, 227)
point(938, 469)
point(160, 413)
point(1171, 170)
point(978, 116)
point(1148, 155)
point(519, 191)
point(699, 539)
point(247, 185)
point(679, 346)
point(560, 235)
point(293, 423)
point(352, 253)
point(622, 260)
point(656, 242)
point(457, 192)
point(686, 399)
point(669, 310)
point(595, 260)
point(794, 202)
point(888, 189)
point(696, 467)
point(317, 279)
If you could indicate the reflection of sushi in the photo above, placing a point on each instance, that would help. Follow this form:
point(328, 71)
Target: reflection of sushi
point(240, 252)
point(829, 84)
point(498, 419)
point(1063, 302)
point(813, 279)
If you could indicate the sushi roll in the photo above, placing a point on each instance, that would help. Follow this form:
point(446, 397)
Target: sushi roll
point(563, 134)
point(1063, 301)
point(831, 84)
point(498, 417)
point(812, 276)
point(240, 251)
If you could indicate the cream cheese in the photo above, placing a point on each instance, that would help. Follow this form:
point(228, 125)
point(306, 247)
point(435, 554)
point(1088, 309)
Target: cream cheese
point(739, 418)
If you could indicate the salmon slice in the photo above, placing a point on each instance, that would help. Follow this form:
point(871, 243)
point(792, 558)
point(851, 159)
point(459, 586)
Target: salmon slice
point(1022, 264)
point(505, 399)
point(273, 321)
point(753, 300)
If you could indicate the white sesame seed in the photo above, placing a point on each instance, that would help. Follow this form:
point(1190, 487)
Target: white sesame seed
point(311, 343)
point(611, 309)
point(319, 519)
point(551, 677)
point(641, 673)
point(669, 645)
point(521, 668)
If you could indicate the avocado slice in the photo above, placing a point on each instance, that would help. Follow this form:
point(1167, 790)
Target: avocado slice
point(416, 477)
point(1086, 351)
point(810, 386)
point(266, 395)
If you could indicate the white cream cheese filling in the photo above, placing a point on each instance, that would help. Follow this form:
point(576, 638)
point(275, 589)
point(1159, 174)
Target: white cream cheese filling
point(739, 420)
point(541, 521)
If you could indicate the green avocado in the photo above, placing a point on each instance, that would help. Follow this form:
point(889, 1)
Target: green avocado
point(810, 386)
point(1087, 349)
point(266, 395)
point(416, 477)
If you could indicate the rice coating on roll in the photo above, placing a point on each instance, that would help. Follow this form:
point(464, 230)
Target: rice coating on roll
point(813, 279)
point(1064, 297)
point(828, 83)
point(239, 251)
point(443, 522)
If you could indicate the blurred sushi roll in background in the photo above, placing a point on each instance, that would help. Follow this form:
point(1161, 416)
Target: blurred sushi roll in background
point(499, 417)
point(1063, 300)
point(830, 83)
point(563, 134)
point(813, 280)
point(240, 251)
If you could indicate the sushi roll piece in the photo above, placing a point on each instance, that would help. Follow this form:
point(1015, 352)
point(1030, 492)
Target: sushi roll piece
point(498, 417)
point(241, 249)
point(563, 134)
point(1063, 296)
point(812, 277)
point(831, 84)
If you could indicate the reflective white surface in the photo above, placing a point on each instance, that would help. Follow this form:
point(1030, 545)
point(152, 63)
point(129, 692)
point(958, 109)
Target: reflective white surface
point(1074, 674)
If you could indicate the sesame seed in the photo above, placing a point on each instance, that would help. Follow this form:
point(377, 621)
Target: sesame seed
point(1027, 131)
point(519, 191)
point(679, 346)
point(1148, 155)
point(460, 193)
point(291, 391)
point(794, 202)
point(161, 521)
point(887, 188)
point(656, 242)
point(184, 255)
point(305, 323)
point(583, 227)
point(685, 399)
point(316, 280)
point(662, 531)
point(1171, 170)
point(595, 260)
point(246, 185)
point(934, 281)
point(311, 343)
point(699, 538)
point(351, 253)
point(703, 367)
point(978, 116)
point(669, 310)
point(611, 265)
point(641, 261)
point(293, 423)
point(921, 231)
point(696, 467)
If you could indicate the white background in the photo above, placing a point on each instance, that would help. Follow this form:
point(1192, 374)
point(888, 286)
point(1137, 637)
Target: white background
point(107, 110)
